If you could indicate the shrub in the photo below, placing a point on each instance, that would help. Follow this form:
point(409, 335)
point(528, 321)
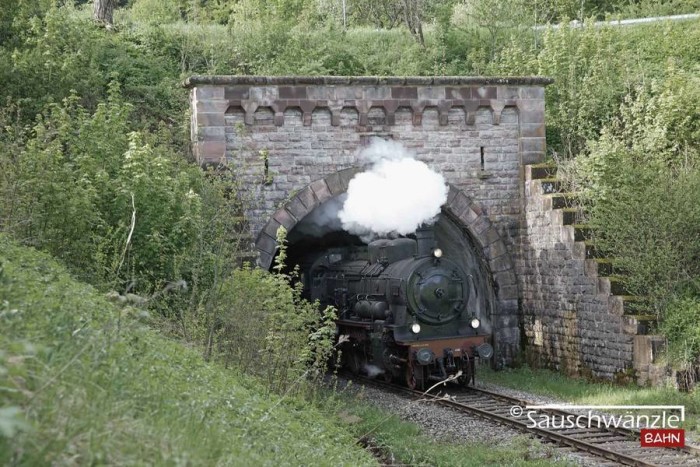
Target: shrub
point(680, 326)
point(594, 68)
point(118, 206)
point(262, 325)
point(86, 382)
point(63, 53)
point(640, 183)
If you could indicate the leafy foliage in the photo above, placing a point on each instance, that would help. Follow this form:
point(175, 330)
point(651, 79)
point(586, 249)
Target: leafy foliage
point(680, 325)
point(266, 328)
point(97, 172)
point(91, 383)
point(641, 181)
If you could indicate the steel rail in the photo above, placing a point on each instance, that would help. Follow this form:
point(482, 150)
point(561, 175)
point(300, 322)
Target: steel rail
point(562, 439)
point(692, 450)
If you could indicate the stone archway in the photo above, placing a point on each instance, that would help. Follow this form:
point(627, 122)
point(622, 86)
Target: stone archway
point(459, 207)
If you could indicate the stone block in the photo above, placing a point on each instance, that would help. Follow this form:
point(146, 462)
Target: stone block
point(532, 145)
point(532, 158)
point(210, 151)
point(532, 92)
point(491, 236)
point(308, 198)
point(507, 92)
point(211, 133)
point(404, 92)
point(292, 92)
point(216, 119)
point(271, 228)
point(211, 106)
point(532, 130)
point(237, 93)
point(204, 92)
point(297, 208)
point(508, 293)
point(534, 115)
point(335, 184)
point(264, 259)
point(266, 243)
point(468, 217)
point(458, 94)
point(478, 227)
point(285, 218)
point(349, 93)
point(377, 93)
point(430, 93)
point(321, 93)
point(500, 264)
point(321, 190)
point(451, 194)
point(485, 92)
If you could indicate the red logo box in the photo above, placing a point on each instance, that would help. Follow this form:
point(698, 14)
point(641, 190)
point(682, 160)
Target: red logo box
point(662, 438)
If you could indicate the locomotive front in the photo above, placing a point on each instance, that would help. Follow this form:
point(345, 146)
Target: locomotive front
point(403, 306)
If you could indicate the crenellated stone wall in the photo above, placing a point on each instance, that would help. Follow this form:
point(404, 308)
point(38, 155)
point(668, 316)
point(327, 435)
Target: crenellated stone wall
point(294, 142)
point(574, 309)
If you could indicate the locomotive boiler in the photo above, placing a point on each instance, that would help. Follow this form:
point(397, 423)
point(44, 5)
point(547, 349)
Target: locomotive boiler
point(403, 306)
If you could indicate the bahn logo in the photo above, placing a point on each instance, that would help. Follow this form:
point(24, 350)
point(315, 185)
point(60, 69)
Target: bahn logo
point(660, 438)
point(657, 425)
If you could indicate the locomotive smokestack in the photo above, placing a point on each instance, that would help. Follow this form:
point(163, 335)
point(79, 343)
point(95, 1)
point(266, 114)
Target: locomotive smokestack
point(425, 237)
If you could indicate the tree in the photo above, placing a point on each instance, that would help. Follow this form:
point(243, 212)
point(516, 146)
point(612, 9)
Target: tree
point(102, 11)
point(412, 16)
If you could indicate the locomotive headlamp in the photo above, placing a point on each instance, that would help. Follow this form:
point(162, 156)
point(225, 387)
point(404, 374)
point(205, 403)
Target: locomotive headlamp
point(475, 323)
point(437, 252)
point(415, 328)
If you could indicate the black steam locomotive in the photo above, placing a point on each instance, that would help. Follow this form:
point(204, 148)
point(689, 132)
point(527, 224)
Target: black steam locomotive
point(403, 307)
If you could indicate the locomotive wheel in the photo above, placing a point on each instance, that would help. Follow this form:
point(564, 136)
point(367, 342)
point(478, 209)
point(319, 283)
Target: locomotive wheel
point(353, 360)
point(388, 376)
point(415, 377)
point(467, 373)
point(410, 377)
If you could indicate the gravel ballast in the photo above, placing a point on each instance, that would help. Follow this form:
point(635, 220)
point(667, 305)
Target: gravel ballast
point(447, 425)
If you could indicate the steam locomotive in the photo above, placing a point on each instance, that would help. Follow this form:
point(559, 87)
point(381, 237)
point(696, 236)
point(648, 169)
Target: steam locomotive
point(403, 307)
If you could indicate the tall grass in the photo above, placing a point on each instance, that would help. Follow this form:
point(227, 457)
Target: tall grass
point(85, 382)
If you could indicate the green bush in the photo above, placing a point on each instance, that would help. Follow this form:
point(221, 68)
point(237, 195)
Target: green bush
point(85, 382)
point(594, 69)
point(118, 206)
point(63, 53)
point(640, 183)
point(262, 325)
point(680, 326)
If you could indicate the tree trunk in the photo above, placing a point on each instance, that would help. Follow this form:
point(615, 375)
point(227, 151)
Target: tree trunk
point(102, 11)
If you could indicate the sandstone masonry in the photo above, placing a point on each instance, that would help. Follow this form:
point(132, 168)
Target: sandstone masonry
point(293, 143)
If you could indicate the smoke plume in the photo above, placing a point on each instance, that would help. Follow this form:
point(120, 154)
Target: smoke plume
point(394, 197)
point(372, 370)
point(323, 219)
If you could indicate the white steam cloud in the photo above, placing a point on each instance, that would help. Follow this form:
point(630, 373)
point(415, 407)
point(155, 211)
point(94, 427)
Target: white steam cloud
point(395, 196)
point(372, 370)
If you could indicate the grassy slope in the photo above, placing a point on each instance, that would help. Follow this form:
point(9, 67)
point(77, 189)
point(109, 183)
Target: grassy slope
point(94, 387)
point(404, 442)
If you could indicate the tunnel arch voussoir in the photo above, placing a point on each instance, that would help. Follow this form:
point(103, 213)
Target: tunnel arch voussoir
point(459, 206)
point(298, 206)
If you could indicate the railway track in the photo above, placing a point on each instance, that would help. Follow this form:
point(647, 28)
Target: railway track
point(610, 446)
